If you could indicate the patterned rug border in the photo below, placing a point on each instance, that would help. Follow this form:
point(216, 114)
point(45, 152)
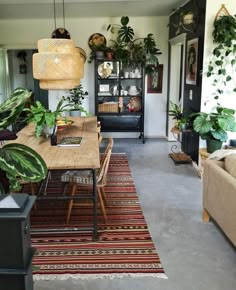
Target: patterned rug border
point(49, 277)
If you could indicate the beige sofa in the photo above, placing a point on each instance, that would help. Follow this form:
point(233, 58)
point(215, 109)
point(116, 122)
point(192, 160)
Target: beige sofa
point(219, 194)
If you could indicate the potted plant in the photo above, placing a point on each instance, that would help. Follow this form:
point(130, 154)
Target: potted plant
point(43, 118)
point(21, 55)
point(134, 51)
point(213, 126)
point(75, 100)
point(221, 66)
point(17, 161)
point(109, 53)
point(97, 52)
point(183, 120)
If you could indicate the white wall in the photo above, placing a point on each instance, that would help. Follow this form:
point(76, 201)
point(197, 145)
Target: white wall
point(20, 34)
point(229, 98)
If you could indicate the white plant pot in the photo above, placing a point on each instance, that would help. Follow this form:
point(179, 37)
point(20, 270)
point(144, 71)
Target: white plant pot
point(75, 113)
point(48, 131)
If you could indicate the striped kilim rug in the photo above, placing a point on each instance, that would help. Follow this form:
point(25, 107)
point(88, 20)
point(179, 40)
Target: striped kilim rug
point(124, 248)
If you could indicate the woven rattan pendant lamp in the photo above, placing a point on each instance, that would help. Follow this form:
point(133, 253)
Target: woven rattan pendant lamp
point(58, 63)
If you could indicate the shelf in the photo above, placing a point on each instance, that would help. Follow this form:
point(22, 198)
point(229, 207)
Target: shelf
point(117, 96)
point(114, 119)
point(180, 158)
point(121, 113)
point(124, 79)
point(108, 79)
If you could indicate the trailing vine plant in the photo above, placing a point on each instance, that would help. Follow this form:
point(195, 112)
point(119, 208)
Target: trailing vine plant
point(222, 66)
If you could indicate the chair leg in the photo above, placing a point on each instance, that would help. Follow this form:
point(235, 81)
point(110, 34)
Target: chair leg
point(102, 204)
point(33, 193)
point(71, 203)
point(103, 195)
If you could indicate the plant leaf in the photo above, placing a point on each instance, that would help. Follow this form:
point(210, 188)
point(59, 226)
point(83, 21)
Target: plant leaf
point(124, 20)
point(202, 124)
point(220, 135)
point(21, 162)
point(13, 106)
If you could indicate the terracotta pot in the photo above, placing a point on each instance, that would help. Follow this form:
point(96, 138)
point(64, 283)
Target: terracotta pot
point(109, 55)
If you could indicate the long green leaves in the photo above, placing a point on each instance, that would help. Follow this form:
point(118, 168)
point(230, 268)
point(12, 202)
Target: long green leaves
point(13, 106)
point(20, 162)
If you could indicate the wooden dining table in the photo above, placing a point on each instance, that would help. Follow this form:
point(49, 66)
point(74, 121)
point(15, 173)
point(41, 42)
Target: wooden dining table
point(83, 157)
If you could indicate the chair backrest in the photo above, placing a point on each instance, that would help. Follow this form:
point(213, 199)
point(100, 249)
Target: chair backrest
point(99, 138)
point(99, 132)
point(101, 175)
point(109, 145)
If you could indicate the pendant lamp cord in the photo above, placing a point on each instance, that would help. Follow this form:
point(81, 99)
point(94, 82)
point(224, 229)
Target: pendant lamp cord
point(64, 14)
point(55, 22)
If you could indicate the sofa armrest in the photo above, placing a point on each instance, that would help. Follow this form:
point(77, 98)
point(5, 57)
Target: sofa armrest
point(219, 196)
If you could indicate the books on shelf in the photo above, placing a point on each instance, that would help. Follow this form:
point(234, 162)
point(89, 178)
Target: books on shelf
point(70, 141)
point(104, 94)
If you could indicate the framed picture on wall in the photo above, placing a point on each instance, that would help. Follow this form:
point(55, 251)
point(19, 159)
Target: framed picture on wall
point(154, 81)
point(191, 61)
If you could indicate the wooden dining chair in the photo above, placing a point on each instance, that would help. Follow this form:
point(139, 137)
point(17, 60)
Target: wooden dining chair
point(84, 179)
point(99, 127)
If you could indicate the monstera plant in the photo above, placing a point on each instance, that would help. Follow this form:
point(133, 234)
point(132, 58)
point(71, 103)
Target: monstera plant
point(17, 161)
point(132, 51)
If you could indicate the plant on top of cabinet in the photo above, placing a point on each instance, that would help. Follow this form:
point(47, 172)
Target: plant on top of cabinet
point(222, 65)
point(97, 52)
point(134, 51)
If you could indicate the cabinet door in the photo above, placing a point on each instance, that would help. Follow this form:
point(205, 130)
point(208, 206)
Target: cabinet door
point(132, 92)
point(107, 86)
point(119, 96)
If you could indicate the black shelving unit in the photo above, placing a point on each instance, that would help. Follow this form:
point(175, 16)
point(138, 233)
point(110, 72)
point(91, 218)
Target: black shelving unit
point(116, 85)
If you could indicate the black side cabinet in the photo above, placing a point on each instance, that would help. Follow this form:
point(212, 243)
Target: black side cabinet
point(119, 97)
point(15, 246)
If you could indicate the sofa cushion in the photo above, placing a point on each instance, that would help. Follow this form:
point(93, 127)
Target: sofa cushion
point(230, 164)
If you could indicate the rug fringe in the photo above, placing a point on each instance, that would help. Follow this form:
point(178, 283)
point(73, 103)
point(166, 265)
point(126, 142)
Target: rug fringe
point(49, 277)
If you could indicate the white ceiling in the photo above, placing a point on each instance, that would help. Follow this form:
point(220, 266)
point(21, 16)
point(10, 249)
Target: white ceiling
point(22, 9)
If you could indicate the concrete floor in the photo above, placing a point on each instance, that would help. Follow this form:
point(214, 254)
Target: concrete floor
point(195, 256)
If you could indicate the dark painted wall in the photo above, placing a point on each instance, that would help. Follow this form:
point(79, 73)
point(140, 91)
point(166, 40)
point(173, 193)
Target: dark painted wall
point(191, 140)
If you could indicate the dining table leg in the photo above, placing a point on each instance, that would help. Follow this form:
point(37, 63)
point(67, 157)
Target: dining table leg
point(95, 222)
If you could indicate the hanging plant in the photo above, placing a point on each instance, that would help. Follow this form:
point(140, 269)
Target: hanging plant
point(224, 30)
point(222, 66)
point(21, 55)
